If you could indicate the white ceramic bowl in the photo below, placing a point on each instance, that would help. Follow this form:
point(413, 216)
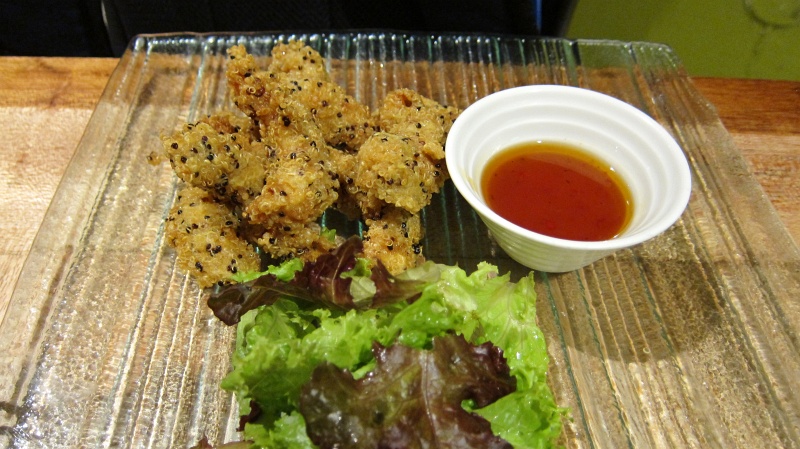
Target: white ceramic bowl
point(641, 151)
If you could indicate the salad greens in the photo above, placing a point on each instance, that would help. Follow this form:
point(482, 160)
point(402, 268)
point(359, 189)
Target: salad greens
point(331, 351)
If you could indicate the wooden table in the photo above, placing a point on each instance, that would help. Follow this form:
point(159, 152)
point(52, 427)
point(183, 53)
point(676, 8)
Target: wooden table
point(45, 104)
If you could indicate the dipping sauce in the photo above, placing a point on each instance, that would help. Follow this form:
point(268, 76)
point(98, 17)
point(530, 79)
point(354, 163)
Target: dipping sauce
point(557, 190)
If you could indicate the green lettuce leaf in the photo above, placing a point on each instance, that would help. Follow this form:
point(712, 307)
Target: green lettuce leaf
point(280, 345)
point(336, 280)
point(411, 396)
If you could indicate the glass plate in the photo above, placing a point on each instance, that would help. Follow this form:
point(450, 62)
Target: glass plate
point(689, 340)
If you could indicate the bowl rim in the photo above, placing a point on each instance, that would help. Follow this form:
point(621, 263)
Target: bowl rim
point(681, 190)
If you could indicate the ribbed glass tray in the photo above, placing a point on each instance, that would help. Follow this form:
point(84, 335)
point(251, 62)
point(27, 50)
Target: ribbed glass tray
point(689, 340)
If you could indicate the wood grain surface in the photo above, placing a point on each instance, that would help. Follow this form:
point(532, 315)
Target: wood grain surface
point(45, 104)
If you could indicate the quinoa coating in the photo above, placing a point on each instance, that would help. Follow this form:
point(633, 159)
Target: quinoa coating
point(229, 123)
point(204, 233)
point(393, 169)
point(302, 99)
point(300, 59)
point(248, 84)
point(344, 122)
point(394, 240)
point(350, 198)
point(407, 113)
point(300, 184)
point(262, 179)
point(302, 240)
point(217, 154)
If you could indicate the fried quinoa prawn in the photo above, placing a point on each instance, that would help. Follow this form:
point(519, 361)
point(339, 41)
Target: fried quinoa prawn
point(296, 57)
point(298, 96)
point(403, 165)
point(301, 182)
point(302, 146)
point(407, 113)
point(393, 170)
point(205, 234)
point(394, 239)
point(218, 154)
point(396, 172)
point(305, 241)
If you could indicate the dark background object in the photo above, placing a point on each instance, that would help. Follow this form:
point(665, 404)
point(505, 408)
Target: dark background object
point(104, 27)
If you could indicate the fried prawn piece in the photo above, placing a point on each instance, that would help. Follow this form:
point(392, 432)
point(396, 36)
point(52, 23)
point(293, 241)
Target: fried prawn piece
point(264, 96)
point(249, 85)
point(407, 113)
point(299, 59)
point(394, 239)
point(300, 183)
point(300, 186)
point(350, 198)
point(303, 240)
point(217, 154)
point(344, 122)
point(205, 236)
point(394, 170)
point(302, 99)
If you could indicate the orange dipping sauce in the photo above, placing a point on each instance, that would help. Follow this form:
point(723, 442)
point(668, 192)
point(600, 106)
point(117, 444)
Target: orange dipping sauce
point(557, 190)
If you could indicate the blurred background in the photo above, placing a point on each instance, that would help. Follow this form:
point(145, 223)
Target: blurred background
point(728, 38)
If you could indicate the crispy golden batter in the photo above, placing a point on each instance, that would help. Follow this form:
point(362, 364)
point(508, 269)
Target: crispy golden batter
point(298, 58)
point(218, 154)
point(394, 239)
point(205, 234)
point(299, 187)
point(301, 147)
point(393, 169)
point(409, 114)
point(303, 99)
point(303, 240)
